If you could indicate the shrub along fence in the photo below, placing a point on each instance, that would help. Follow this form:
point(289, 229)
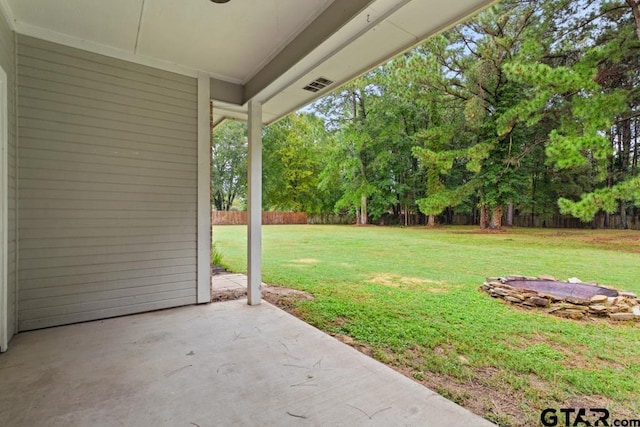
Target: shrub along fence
point(330, 219)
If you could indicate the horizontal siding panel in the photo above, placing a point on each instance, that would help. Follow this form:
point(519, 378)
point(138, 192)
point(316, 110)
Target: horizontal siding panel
point(41, 58)
point(64, 175)
point(24, 111)
point(110, 133)
point(90, 279)
point(103, 241)
point(31, 137)
point(75, 73)
point(39, 184)
point(101, 232)
point(73, 223)
point(55, 153)
point(30, 42)
point(86, 260)
point(88, 84)
point(60, 310)
point(75, 251)
point(30, 324)
point(29, 86)
point(42, 273)
point(71, 166)
point(108, 186)
point(113, 285)
point(102, 295)
point(104, 205)
point(99, 214)
point(42, 98)
point(114, 114)
point(126, 197)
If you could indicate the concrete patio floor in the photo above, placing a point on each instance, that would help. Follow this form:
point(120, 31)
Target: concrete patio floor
point(209, 365)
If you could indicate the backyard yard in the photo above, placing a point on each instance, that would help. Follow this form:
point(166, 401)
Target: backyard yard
point(410, 298)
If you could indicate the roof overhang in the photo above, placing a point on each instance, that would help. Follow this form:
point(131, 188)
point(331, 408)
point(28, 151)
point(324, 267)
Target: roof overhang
point(263, 50)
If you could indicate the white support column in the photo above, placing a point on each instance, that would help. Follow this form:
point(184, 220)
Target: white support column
point(254, 232)
point(5, 333)
point(204, 191)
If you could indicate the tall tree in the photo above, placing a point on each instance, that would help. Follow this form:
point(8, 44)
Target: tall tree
point(229, 174)
point(352, 156)
point(465, 69)
point(587, 79)
point(294, 157)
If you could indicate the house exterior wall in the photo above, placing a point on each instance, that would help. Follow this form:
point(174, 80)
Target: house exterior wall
point(107, 166)
point(8, 63)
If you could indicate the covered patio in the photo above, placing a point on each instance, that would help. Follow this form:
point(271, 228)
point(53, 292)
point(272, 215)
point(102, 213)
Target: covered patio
point(105, 211)
point(209, 365)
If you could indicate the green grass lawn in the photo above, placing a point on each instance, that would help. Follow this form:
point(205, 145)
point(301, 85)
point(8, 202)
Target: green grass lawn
point(409, 297)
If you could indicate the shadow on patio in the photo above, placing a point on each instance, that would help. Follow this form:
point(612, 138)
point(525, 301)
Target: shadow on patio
point(218, 364)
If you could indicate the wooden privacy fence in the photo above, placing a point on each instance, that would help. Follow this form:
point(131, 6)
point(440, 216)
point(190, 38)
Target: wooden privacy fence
point(268, 218)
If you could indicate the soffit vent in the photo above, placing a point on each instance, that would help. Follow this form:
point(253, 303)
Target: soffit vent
point(318, 84)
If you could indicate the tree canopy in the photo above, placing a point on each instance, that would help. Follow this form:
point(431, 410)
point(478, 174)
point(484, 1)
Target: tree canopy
point(529, 107)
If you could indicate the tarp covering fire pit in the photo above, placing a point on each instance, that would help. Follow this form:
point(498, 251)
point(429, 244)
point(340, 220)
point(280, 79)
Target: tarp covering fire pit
point(563, 289)
point(572, 298)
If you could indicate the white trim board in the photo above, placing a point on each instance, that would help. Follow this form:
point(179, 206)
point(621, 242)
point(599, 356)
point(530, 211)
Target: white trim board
point(4, 220)
point(6, 11)
point(204, 190)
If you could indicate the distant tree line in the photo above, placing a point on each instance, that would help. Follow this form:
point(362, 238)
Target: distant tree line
point(530, 107)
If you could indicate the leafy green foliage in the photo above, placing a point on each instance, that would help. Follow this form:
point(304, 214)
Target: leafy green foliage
point(605, 199)
point(589, 96)
point(229, 164)
point(295, 153)
point(531, 105)
point(216, 255)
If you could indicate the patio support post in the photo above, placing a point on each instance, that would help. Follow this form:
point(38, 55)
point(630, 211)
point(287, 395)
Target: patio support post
point(204, 191)
point(254, 232)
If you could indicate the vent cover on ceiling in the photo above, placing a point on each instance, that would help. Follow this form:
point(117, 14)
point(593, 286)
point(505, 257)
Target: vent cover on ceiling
point(318, 84)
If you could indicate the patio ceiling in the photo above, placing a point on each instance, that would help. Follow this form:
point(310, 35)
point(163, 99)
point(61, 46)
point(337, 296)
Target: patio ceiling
point(267, 50)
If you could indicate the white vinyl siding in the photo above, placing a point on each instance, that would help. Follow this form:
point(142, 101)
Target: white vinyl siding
point(107, 189)
point(8, 63)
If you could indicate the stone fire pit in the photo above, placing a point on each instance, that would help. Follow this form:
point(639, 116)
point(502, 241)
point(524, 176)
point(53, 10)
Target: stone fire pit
point(571, 299)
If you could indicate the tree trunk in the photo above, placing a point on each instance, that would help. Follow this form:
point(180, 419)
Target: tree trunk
point(364, 216)
point(624, 224)
point(432, 221)
point(496, 218)
point(484, 217)
point(634, 159)
point(534, 183)
point(510, 214)
point(635, 9)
